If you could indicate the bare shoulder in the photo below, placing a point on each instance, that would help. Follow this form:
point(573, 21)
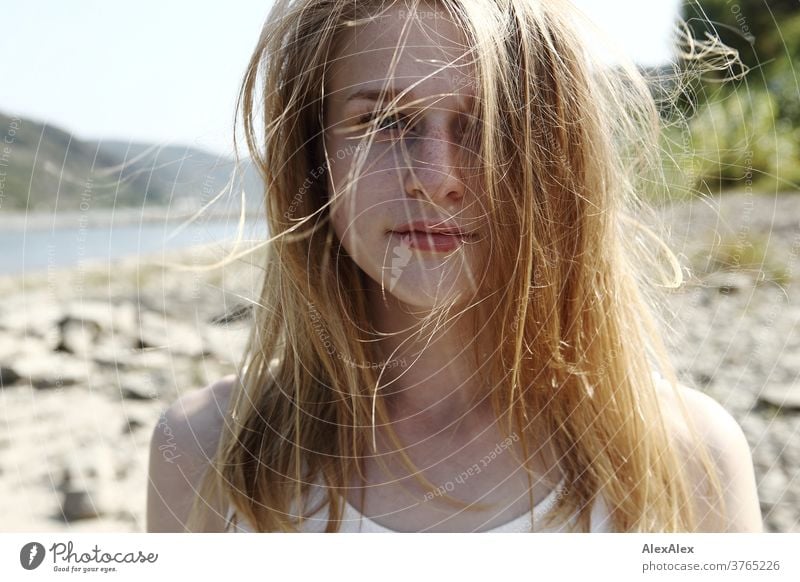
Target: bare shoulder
point(181, 448)
point(716, 426)
point(716, 429)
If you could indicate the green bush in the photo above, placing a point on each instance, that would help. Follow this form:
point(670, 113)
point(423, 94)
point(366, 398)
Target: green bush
point(735, 141)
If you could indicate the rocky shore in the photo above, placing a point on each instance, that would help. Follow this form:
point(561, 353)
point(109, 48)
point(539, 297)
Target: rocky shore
point(89, 358)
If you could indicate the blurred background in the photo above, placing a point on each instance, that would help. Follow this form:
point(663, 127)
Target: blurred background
point(116, 127)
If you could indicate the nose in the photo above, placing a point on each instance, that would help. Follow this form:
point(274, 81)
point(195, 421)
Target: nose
point(434, 170)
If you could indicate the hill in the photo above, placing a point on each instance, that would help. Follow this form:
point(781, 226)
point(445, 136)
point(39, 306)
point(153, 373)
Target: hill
point(48, 169)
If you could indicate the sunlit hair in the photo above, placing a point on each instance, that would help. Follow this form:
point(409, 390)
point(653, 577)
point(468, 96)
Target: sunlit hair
point(568, 149)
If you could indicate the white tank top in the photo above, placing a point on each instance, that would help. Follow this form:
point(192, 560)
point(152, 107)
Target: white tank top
point(355, 522)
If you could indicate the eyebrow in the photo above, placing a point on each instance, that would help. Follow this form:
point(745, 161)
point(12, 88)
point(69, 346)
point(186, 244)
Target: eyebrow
point(376, 94)
point(373, 94)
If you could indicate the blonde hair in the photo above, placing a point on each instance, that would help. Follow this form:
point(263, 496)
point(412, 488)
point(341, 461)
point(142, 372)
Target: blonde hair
point(568, 147)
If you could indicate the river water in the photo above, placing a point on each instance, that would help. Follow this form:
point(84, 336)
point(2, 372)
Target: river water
point(38, 246)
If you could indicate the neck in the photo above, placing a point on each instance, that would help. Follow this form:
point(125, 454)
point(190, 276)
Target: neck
point(433, 383)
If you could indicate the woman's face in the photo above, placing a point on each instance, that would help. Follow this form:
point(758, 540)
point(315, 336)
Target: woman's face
point(392, 192)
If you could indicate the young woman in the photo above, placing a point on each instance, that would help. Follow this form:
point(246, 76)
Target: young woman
point(456, 330)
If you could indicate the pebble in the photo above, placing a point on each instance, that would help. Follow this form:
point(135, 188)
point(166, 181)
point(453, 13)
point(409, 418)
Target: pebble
point(772, 486)
point(87, 484)
point(729, 282)
point(141, 385)
point(52, 370)
point(784, 396)
point(174, 337)
point(8, 376)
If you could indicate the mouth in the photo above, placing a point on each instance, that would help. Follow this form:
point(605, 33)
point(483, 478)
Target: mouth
point(425, 240)
point(432, 227)
point(418, 232)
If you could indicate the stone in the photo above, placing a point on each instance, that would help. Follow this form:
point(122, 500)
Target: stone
point(226, 343)
point(139, 414)
point(117, 319)
point(78, 337)
point(782, 519)
point(754, 426)
point(141, 385)
point(87, 484)
point(234, 315)
point(772, 486)
point(35, 315)
point(14, 345)
point(158, 333)
point(8, 376)
point(132, 424)
point(53, 370)
point(729, 282)
point(116, 353)
point(784, 396)
point(791, 455)
point(734, 394)
point(80, 504)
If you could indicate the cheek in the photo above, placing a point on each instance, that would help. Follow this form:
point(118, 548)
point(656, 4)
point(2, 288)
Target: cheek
point(336, 199)
point(348, 216)
point(354, 216)
point(358, 210)
point(351, 204)
point(340, 220)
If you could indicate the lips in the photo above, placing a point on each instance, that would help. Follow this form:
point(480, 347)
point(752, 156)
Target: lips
point(432, 227)
point(431, 241)
point(435, 236)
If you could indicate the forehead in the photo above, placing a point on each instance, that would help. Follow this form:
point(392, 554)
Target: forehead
point(430, 53)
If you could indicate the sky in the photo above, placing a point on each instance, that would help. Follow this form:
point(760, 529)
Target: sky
point(168, 71)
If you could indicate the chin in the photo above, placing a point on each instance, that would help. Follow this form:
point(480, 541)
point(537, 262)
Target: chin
point(418, 279)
